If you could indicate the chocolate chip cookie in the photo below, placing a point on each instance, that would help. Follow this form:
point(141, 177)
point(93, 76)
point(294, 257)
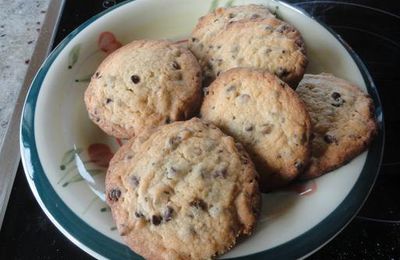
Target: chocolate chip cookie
point(214, 22)
point(263, 42)
point(343, 121)
point(144, 84)
point(267, 117)
point(183, 191)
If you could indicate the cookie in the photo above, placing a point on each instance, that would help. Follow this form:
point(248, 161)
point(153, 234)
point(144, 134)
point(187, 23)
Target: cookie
point(267, 117)
point(214, 22)
point(265, 43)
point(183, 191)
point(343, 121)
point(144, 84)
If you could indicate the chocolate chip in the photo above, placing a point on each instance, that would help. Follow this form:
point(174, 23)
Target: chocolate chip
point(176, 65)
point(282, 28)
point(299, 165)
point(338, 99)
point(281, 72)
point(134, 180)
point(220, 173)
point(167, 120)
point(249, 128)
point(230, 88)
point(174, 141)
point(254, 16)
point(231, 15)
point(168, 213)
point(329, 139)
point(338, 103)
point(156, 220)
point(97, 75)
point(108, 100)
point(171, 172)
point(198, 204)
point(299, 43)
point(266, 128)
point(135, 79)
point(335, 95)
point(139, 214)
point(268, 28)
point(193, 39)
point(114, 194)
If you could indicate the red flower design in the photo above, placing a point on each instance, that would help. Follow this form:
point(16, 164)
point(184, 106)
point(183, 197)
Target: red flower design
point(100, 154)
point(107, 42)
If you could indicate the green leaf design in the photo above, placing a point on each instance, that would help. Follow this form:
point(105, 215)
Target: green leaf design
point(229, 3)
point(73, 179)
point(275, 12)
point(105, 209)
point(95, 199)
point(68, 157)
point(214, 5)
point(66, 173)
point(78, 177)
point(84, 78)
point(73, 56)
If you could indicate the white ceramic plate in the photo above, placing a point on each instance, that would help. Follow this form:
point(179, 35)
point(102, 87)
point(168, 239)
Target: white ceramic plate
point(60, 145)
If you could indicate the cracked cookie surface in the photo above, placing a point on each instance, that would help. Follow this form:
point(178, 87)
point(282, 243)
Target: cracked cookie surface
point(249, 39)
point(143, 84)
point(267, 117)
point(343, 121)
point(183, 191)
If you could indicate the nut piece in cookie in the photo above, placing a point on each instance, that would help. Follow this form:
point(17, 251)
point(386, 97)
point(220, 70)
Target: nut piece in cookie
point(267, 117)
point(144, 84)
point(183, 184)
point(343, 121)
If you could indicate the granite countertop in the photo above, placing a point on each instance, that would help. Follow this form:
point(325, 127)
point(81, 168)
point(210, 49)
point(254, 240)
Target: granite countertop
point(20, 24)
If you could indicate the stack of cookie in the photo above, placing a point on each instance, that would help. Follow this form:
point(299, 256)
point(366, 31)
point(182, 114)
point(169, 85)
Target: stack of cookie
point(189, 189)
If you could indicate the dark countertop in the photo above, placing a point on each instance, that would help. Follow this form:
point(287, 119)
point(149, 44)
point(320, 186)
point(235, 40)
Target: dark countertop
point(28, 234)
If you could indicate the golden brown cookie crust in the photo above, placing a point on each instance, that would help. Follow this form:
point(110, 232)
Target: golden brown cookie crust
point(183, 191)
point(263, 42)
point(267, 117)
point(144, 84)
point(343, 121)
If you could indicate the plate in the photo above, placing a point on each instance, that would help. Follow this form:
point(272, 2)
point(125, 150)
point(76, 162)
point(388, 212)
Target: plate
point(65, 156)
